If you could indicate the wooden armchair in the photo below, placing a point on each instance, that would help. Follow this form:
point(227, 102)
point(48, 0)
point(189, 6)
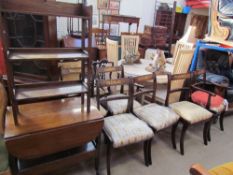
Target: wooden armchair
point(190, 113)
point(202, 95)
point(182, 64)
point(158, 117)
point(113, 107)
point(125, 128)
point(4, 170)
point(225, 169)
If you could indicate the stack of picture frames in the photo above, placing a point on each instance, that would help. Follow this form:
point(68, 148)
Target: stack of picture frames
point(109, 7)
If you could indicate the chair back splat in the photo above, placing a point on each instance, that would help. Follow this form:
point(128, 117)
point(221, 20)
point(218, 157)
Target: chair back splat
point(116, 82)
point(149, 84)
point(98, 64)
point(129, 45)
point(112, 51)
point(176, 84)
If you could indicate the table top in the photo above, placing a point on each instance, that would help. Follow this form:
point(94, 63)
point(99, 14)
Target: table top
point(43, 116)
point(139, 69)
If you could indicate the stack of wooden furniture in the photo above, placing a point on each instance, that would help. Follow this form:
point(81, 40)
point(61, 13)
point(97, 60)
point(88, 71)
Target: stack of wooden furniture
point(153, 37)
point(44, 128)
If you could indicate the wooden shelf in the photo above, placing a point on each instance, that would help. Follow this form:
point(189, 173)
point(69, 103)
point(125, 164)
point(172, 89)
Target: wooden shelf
point(48, 91)
point(47, 54)
point(47, 7)
point(41, 92)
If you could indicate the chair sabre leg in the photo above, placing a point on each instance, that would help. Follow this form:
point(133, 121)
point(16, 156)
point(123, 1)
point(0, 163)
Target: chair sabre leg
point(149, 151)
point(209, 131)
point(97, 159)
point(109, 150)
point(145, 151)
point(174, 127)
point(221, 121)
point(205, 133)
point(184, 129)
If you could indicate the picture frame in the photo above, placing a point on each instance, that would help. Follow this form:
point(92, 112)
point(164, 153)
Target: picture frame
point(114, 12)
point(103, 4)
point(114, 5)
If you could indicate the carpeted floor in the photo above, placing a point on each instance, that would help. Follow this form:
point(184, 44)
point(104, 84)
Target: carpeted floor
point(166, 161)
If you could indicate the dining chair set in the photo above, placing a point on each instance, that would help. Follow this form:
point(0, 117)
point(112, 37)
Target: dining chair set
point(129, 120)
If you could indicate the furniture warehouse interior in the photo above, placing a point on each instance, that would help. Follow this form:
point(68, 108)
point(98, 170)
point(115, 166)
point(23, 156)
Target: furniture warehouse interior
point(116, 87)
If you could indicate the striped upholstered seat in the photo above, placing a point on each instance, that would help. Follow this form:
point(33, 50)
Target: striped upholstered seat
point(125, 129)
point(191, 112)
point(157, 116)
point(120, 106)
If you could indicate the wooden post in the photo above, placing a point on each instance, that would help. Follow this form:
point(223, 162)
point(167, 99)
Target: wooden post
point(172, 27)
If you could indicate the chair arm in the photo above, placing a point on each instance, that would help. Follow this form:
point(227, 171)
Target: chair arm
point(138, 86)
point(198, 169)
point(203, 90)
point(208, 92)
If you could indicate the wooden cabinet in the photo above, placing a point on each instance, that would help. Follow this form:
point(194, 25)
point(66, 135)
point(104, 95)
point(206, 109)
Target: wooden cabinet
point(179, 26)
point(29, 30)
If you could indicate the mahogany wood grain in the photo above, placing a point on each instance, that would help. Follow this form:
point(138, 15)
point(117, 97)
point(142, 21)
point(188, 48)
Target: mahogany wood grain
point(61, 163)
point(49, 127)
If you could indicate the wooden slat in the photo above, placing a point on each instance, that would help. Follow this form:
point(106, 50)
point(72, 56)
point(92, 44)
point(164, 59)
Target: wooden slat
point(47, 8)
point(114, 82)
point(109, 69)
point(47, 54)
point(40, 93)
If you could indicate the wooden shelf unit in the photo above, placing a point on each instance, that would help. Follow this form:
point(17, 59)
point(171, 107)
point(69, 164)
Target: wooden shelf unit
point(46, 54)
point(48, 91)
point(51, 90)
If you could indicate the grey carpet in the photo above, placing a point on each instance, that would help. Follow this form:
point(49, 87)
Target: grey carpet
point(166, 161)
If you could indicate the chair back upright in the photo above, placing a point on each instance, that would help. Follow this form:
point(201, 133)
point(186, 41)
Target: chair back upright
point(183, 61)
point(187, 42)
point(113, 83)
point(178, 83)
point(181, 46)
point(149, 83)
point(112, 51)
point(109, 73)
point(3, 105)
point(98, 64)
point(129, 45)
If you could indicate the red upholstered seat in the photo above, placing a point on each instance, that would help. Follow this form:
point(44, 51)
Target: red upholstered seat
point(201, 98)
